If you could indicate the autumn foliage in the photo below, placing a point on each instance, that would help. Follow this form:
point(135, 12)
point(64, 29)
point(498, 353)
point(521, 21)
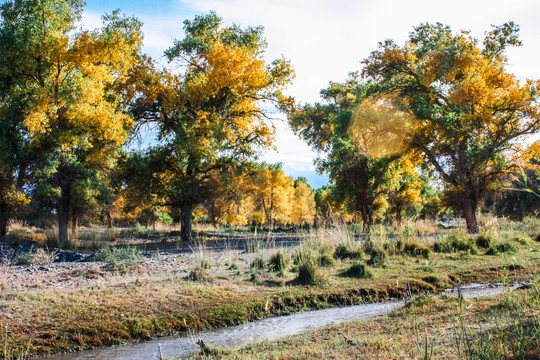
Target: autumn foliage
point(425, 128)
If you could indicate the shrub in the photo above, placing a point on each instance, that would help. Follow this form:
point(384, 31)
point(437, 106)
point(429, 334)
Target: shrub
point(359, 271)
point(455, 243)
point(279, 262)
point(121, 259)
point(38, 257)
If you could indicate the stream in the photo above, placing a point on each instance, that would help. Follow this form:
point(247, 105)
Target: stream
point(260, 330)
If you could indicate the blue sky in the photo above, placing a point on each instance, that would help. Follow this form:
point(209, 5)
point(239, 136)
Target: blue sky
point(327, 39)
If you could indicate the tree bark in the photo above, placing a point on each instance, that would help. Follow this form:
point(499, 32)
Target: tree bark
point(74, 227)
point(109, 219)
point(3, 227)
point(186, 222)
point(469, 212)
point(367, 217)
point(64, 204)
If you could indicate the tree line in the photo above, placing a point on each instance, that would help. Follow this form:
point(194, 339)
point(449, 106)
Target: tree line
point(425, 128)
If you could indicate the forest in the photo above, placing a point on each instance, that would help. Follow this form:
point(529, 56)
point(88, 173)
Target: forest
point(431, 149)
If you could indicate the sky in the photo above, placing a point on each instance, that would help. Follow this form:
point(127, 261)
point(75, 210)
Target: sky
point(326, 39)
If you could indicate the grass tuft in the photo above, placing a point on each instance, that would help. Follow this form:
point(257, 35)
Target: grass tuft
point(455, 243)
point(358, 270)
point(120, 259)
point(38, 257)
point(308, 268)
point(279, 262)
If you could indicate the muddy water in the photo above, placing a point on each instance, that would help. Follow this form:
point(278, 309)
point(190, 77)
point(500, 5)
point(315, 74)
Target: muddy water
point(257, 331)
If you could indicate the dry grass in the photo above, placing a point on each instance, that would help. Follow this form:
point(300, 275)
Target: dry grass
point(166, 303)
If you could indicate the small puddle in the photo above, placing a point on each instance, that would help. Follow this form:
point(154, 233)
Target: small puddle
point(261, 330)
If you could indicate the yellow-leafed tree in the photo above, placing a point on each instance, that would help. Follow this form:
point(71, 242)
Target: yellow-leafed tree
point(210, 116)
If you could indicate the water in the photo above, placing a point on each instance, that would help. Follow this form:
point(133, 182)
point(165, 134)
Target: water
point(257, 331)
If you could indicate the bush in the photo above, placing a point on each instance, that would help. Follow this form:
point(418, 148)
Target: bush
point(279, 262)
point(455, 243)
point(121, 259)
point(359, 271)
point(38, 257)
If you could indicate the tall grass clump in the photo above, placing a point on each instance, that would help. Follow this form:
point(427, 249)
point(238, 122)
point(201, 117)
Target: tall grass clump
point(410, 247)
point(279, 262)
point(502, 247)
point(38, 257)
point(254, 245)
point(359, 271)
point(484, 241)
point(120, 259)
point(455, 243)
point(309, 272)
point(376, 253)
point(200, 271)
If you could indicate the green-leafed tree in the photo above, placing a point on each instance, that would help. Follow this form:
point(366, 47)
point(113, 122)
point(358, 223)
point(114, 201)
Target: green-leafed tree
point(359, 155)
point(469, 111)
point(65, 77)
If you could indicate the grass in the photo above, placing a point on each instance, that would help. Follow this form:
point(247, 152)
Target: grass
point(141, 308)
point(359, 271)
point(505, 326)
point(279, 262)
point(37, 257)
point(120, 259)
point(309, 272)
point(455, 243)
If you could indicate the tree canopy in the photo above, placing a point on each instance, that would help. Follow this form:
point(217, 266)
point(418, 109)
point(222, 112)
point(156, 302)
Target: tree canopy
point(468, 109)
point(210, 116)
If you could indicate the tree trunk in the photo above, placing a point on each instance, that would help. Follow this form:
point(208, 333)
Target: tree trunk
point(469, 212)
point(109, 219)
point(63, 216)
point(186, 223)
point(3, 227)
point(74, 227)
point(399, 210)
point(367, 217)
